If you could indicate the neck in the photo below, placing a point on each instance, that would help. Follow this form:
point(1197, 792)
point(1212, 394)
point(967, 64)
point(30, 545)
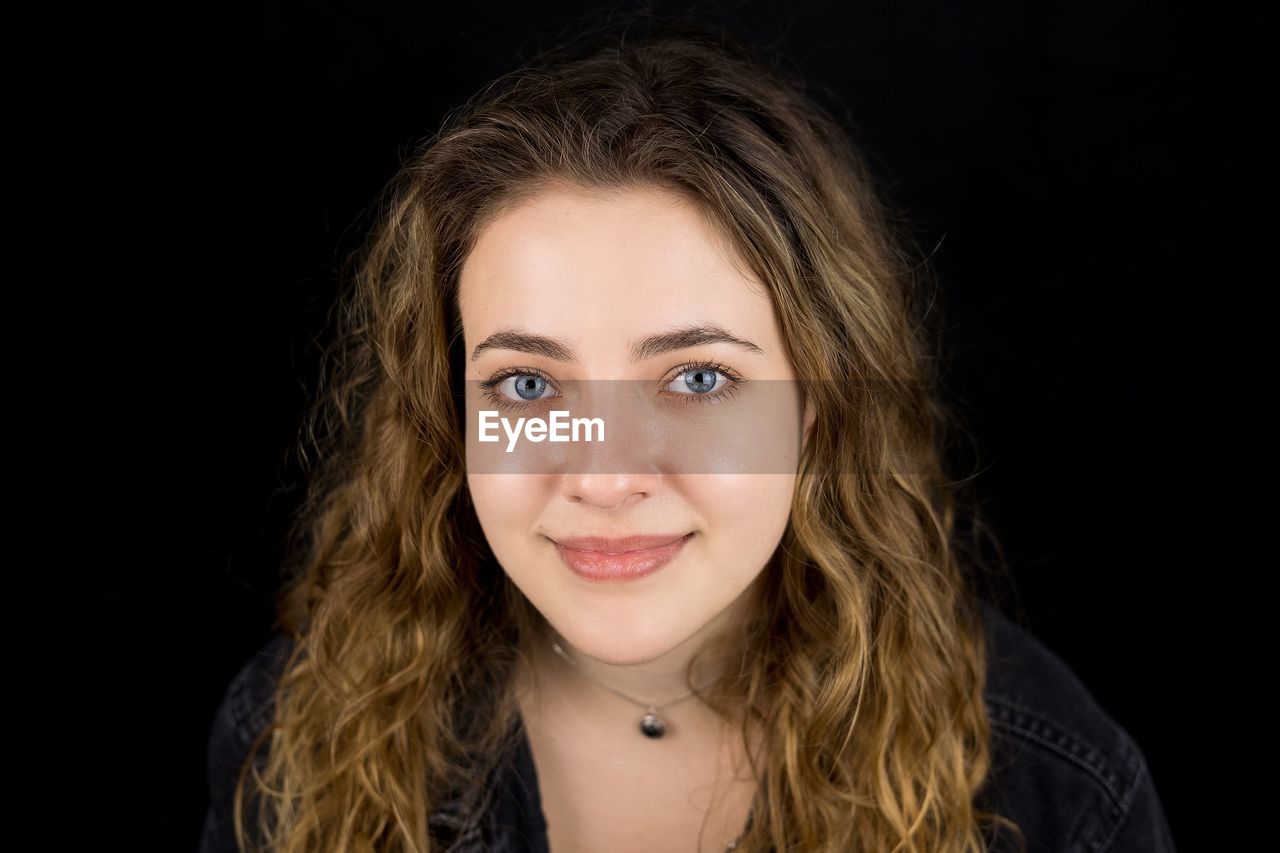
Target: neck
point(582, 679)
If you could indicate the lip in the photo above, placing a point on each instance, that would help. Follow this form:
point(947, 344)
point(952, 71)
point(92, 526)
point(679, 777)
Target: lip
point(627, 558)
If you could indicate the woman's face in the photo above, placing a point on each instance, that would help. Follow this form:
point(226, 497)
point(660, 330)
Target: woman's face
point(595, 274)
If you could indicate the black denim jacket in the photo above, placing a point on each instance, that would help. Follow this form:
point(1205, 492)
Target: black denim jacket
point(1070, 776)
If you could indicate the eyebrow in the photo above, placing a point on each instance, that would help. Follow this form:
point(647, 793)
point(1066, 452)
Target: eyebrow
point(642, 349)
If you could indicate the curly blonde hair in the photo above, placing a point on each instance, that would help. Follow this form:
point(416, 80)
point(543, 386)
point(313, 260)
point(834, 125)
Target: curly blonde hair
point(866, 655)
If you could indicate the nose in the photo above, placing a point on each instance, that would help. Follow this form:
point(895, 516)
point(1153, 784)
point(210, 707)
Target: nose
point(608, 491)
point(608, 488)
point(610, 476)
point(623, 468)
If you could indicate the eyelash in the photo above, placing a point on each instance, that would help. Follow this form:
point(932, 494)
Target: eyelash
point(734, 385)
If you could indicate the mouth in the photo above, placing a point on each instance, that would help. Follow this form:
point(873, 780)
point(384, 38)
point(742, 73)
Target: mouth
point(625, 558)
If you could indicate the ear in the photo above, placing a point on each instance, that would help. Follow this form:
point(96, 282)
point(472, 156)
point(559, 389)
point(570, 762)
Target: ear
point(810, 418)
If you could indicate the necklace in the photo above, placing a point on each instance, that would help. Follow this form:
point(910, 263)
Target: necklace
point(651, 724)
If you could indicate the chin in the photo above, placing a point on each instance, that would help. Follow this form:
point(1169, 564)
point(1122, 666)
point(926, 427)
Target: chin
point(612, 643)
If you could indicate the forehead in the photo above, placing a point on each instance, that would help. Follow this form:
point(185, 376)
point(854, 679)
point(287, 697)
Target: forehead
point(569, 256)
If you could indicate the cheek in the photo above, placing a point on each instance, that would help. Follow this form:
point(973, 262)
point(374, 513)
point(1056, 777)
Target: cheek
point(746, 517)
point(506, 506)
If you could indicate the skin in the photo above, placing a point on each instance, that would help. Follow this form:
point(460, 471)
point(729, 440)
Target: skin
point(596, 272)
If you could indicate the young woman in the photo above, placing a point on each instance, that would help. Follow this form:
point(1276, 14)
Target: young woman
point(739, 618)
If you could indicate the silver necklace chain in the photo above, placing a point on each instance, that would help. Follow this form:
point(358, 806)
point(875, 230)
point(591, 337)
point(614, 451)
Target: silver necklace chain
point(652, 725)
point(646, 705)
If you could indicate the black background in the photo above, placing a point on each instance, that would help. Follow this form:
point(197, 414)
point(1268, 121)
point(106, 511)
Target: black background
point(1074, 170)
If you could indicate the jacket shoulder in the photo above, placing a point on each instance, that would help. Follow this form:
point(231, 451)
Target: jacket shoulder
point(246, 709)
point(246, 704)
point(1062, 767)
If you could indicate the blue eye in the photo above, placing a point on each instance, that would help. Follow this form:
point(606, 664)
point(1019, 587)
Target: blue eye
point(698, 380)
point(516, 388)
point(526, 386)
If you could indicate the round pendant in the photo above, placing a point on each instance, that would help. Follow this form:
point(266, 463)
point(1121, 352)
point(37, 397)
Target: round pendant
point(652, 725)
